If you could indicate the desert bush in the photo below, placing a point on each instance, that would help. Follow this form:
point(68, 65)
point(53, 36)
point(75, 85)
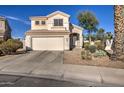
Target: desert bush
point(0, 52)
point(10, 46)
point(92, 48)
point(99, 45)
point(86, 45)
point(1, 41)
point(86, 55)
point(100, 53)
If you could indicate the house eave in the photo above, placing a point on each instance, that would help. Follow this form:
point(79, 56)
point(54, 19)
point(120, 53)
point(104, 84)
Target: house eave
point(76, 26)
point(47, 32)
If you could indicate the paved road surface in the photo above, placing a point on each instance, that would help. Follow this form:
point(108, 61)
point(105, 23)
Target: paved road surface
point(20, 81)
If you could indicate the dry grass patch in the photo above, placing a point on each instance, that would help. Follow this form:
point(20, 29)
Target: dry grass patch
point(73, 57)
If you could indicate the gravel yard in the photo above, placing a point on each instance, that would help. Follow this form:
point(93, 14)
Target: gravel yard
point(74, 57)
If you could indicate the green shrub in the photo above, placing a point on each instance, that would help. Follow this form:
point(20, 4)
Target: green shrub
point(86, 45)
point(97, 42)
point(86, 55)
point(100, 47)
point(92, 48)
point(100, 53)
point(10, 46)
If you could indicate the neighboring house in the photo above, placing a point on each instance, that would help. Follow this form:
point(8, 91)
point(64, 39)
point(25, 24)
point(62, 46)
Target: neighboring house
point(53, 32)
point(5, 30)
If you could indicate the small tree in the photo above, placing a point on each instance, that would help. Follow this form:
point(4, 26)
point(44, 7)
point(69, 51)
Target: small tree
point(108, 35)
point(100, 34)
point(88, 21)
point(93, 37)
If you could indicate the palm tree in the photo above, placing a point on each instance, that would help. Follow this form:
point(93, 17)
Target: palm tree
point(119, 30)
point(88, 21)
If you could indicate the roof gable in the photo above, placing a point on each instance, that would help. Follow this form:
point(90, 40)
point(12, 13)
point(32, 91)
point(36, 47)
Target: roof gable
point(58, 12)
point(49, 15)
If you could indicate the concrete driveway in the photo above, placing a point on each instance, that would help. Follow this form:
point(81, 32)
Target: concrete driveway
point(33, 62)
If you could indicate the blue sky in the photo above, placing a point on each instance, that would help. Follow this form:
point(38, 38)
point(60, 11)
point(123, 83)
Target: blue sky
point(18, 16)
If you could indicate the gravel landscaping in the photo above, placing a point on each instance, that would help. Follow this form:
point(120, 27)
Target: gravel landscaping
point(74, 57)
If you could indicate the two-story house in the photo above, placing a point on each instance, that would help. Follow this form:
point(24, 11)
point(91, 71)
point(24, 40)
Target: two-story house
point(53, 32)
point(5, 30)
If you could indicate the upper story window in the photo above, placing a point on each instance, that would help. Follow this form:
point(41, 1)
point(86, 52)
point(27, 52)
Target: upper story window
point(40, 22)
point(58, 22)
point(37, 22)
point(43, 22)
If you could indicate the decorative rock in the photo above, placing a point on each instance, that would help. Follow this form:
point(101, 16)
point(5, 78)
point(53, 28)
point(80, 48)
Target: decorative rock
point(20, 51)
point(109, 45)
point(92, 43)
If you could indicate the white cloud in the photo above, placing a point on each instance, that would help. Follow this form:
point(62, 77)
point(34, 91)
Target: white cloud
point(16, 19)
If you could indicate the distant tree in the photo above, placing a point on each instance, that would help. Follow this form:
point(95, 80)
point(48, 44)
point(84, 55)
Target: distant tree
point(108, 35)
point(85, 37)
point(93, 37)
point(100, 34)
point(88, 21)
point(70, 27)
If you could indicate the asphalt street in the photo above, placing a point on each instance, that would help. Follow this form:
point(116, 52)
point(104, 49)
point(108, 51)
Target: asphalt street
point(21, 81)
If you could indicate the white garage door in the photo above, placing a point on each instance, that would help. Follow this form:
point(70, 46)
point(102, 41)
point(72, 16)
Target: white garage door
point(50, 43)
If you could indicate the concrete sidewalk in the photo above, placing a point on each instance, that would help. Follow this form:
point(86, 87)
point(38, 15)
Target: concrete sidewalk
point(98, 75)
point(91, 75)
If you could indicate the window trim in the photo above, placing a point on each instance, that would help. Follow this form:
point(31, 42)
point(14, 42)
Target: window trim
point(42, 22)
point(59, 22)
point(36, 22)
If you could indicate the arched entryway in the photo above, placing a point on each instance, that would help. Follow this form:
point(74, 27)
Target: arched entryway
point(74, 40)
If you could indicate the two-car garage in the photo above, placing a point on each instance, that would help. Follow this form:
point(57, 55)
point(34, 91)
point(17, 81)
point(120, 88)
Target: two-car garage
point(48, 43)
point(47, 40)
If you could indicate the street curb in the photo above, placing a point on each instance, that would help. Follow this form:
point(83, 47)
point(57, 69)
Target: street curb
point(30, 75)
point(75, 81)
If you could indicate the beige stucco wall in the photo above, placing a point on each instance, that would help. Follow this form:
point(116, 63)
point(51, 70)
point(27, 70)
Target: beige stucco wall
point(5, 29)
point(38, 27)
point(28, 40)
point(2, 28)
point(50, 23)
point(66, 42)
point(79, 31)
point(51, 26)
